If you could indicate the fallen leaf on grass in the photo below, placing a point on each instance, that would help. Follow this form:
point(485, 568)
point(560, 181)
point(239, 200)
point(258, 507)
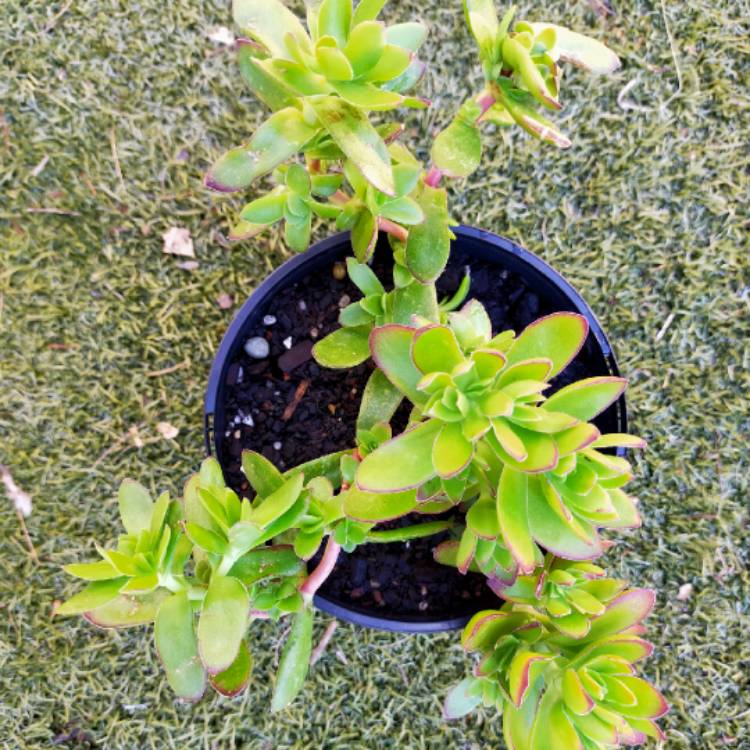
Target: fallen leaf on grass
point(167, 431)
point(225, 301)
point(220, 35)
point(177, 241)
point(21, 500)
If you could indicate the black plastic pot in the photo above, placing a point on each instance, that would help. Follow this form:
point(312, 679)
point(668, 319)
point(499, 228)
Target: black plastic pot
point(550, 286)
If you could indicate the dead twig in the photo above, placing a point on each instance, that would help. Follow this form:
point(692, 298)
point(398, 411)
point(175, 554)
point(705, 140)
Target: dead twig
point(130, 434)
point(22, 504)
point(116, 158)
point(298, 394)
point(53, 21)
point(167, 370)
point(56, 211)
point(325, 639)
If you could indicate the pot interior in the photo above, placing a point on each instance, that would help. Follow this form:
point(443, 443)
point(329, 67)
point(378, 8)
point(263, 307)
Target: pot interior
point(291, 410)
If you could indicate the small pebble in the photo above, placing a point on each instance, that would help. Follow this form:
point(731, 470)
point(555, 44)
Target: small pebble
point(237, 434)
point(423, 606)
point(344, 301)
point(257, 348)
point(288, 342)
point(314, 333)
point(248, 420)
point(269, 320)
point(302, 305)
point(339, 271)
point(277, 446)
point(378, 597)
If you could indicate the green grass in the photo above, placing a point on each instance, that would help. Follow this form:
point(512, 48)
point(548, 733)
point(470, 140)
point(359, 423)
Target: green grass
point(647, 216)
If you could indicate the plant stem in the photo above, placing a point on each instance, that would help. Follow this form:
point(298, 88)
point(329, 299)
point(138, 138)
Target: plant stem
point(386, 225)
point(316, 579)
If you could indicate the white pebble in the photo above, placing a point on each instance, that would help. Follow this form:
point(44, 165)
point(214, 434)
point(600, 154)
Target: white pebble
point(277, 446)
point(302, 305)
point(269, 320)
point(257, 347)
point(288, 342)
point(248, 420)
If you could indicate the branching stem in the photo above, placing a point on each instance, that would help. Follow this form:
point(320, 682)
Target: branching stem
point(324, 568)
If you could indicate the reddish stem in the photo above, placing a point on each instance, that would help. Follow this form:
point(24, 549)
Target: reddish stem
point(339, 198)
point(325, 567)
point(485, 101)
point(433, 177)
point(386, 225)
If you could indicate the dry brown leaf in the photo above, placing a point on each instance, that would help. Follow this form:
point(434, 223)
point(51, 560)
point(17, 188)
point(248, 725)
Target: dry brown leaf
point(225, 301)
point(177, 241)
point(21, 500)
point(167, 431)
point(220, 35)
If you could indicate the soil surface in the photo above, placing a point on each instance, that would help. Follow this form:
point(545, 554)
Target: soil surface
point(291, 410)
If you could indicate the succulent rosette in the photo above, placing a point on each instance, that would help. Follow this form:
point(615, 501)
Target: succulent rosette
point(557, 692)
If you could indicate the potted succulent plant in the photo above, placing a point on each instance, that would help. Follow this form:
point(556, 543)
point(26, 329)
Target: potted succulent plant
point(501, 453)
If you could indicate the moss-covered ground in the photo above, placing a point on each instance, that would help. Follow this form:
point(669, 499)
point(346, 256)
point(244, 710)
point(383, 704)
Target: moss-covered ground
point(109, 113)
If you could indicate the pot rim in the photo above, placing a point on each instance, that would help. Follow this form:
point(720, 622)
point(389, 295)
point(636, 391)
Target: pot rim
point(278, 278)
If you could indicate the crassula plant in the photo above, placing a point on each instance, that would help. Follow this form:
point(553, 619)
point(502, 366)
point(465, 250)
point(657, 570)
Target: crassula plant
point(495, 454)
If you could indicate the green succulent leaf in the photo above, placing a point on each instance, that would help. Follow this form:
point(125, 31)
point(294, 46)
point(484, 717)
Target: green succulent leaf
point(457, 150)
point(365, 46)
point(393, 63)
point(265, 210)
point(334, 19)
point(358, 139)
point(295, 660)
point(379, 401)
point(282, 135)
point(554, 533)
point(95, 595)
point(391, 350)
point(265, 563)
point(263, 476)
point(579, 50)
point(364, 278)
point(461, 699)
point(174, 636)
point(415, 300)
point(278, 502)
point(402, 463)
point(269, 21)
point(127, 611)
point(135, 507)
point(233, 680)
point(557, 337)
point(483, 24)
point(364, 235)
point(513, 515)
point(376, 507)
point(205, 539)
point(409, 35)
point(428, 244)
point(223, 620)
point(586, 398)
point(102, 570)
point(345, 347)
point(413, 531)
point(273, 91)
point(516, 103)
point(367, 10)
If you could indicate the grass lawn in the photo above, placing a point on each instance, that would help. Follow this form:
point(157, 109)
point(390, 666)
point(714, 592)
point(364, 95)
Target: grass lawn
point(109, 113)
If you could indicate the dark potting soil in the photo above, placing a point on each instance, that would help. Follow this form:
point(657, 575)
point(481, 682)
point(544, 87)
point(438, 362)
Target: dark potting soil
point(291, 410)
